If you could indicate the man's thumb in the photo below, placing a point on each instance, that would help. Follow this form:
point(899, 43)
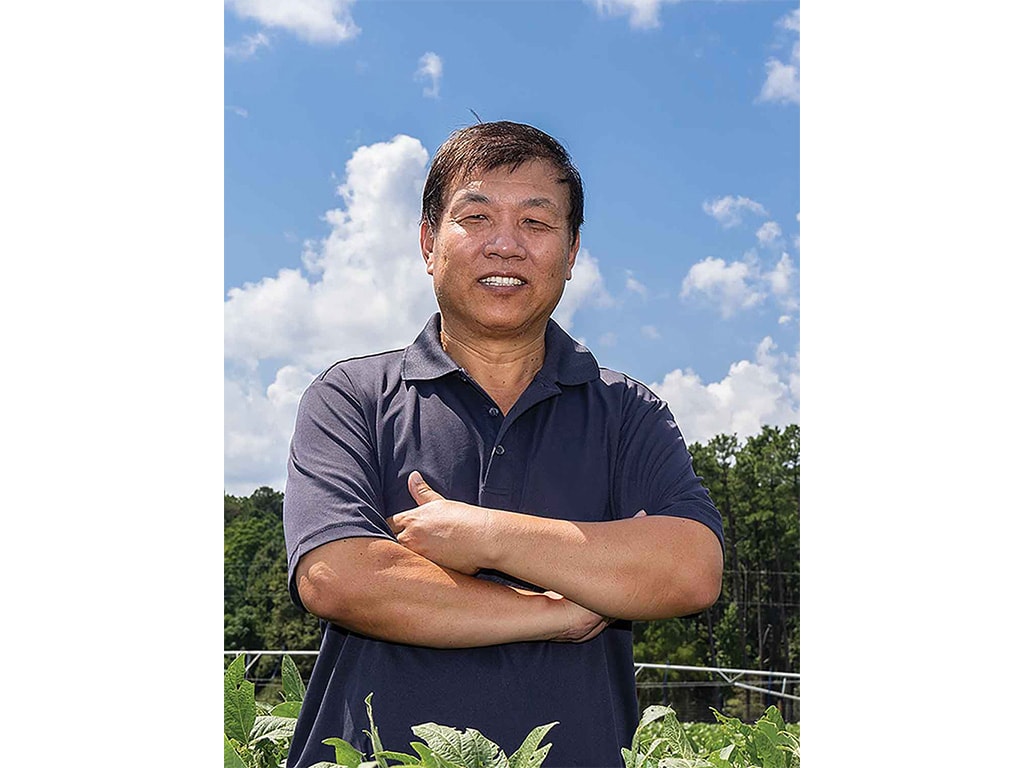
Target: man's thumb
point(420, 491)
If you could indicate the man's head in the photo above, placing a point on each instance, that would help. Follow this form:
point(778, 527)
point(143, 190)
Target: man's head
point(489, 146)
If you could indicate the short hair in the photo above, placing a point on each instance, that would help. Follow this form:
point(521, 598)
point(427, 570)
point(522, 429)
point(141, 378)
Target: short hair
point(488, 146)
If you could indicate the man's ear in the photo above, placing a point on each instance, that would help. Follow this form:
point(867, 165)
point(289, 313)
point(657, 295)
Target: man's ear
point(573, 250)
point(427, 245)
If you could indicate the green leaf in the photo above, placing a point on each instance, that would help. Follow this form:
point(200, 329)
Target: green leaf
point(378, 748)
point(235, 673)
point(231, 757)
point(270, 728)
point(469, 750)
point(345, 753)
point(652, 713)
point(287, 709)
point(240, 711)
point(530, 754)
point(294, 690)
point(400, 757)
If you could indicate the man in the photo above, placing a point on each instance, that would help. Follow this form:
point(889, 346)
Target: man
point(477, 517)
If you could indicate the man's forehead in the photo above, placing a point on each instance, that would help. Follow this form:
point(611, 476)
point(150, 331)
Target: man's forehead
point(473, 184)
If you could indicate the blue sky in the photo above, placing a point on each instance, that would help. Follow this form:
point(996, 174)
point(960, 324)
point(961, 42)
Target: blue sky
point(682, 117)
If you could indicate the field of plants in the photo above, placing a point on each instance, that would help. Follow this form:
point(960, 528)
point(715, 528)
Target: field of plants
point(257, 735)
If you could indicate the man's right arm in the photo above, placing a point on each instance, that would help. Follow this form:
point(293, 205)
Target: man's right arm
point(379, 588)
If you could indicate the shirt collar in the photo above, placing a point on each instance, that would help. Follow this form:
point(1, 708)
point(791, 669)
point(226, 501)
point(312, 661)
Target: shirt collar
point(566, 361)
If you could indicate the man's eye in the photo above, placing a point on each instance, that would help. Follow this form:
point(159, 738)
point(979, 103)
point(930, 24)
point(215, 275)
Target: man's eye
point(536, 224)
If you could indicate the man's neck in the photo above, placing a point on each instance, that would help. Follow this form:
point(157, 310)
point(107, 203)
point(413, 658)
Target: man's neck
point(503, 367)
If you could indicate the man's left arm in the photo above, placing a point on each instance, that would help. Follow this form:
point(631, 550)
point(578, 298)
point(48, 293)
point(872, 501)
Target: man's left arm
point(642, 568)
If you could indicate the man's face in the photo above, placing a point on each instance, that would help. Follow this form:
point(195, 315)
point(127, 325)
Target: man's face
point(501, 252)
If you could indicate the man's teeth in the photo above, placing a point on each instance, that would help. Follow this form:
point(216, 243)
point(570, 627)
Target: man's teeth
point(496, 280)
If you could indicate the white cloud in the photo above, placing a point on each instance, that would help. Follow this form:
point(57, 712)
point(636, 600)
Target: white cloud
point(782, 81)
point(643, 14)
point(316, 21)
point(361, 289)
point(238, 110)
point(635, 286)
point(752, 394)
point(768, 232)
point(586, 286)
point(430, 69)
point(248, 46)
point(728, 210)
point(650, 332)
point(609, 339)
point(781, 281)
point(732, 286)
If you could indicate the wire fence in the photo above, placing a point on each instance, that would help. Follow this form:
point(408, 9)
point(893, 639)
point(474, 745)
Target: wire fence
point(692, 691)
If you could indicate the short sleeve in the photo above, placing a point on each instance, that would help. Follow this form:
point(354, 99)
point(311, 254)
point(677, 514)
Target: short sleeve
point(333, 490)
point(655, 469)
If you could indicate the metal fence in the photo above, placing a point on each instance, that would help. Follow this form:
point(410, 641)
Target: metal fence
point(691, 691)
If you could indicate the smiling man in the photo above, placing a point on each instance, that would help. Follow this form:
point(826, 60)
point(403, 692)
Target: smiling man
point(476, 518)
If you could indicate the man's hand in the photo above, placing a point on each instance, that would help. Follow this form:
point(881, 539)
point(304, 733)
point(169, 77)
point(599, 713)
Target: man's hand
point(449, 533)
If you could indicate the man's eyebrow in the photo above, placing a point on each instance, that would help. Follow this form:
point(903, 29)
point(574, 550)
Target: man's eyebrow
point(540, 202)
point(468, 196)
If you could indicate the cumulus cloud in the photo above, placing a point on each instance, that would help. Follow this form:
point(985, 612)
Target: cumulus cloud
point(361, 289)
point(316, 21)
point(743, 284)
point(643, 14)
point(587, 286)
point(728, 211)
point(768, 232)
point(731, 286)
point(431, 68)
point(247, 47)
point(782, 80)
point(752, 394)
point(635, 286)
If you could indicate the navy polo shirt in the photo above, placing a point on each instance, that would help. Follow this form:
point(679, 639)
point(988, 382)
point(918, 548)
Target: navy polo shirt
point(581, 443)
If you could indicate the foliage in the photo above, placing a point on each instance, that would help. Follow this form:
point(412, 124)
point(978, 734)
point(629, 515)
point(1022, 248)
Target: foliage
point(661, 741)
point(755, 622)
point(258, 611)
point(258, 736)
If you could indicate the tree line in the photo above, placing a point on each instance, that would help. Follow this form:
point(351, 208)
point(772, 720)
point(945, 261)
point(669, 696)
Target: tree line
point(755, 624)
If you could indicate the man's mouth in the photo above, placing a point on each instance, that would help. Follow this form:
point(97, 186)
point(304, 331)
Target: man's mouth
point(502, 282)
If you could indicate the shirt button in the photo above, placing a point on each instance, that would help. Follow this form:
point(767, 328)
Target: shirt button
point(494, 411)
point(499, 450)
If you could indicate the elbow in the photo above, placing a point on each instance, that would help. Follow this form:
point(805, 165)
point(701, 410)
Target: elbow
point(700, 588)
point(318, 589)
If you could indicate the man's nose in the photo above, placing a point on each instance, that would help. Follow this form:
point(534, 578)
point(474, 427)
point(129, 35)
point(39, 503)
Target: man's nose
point(505, 244)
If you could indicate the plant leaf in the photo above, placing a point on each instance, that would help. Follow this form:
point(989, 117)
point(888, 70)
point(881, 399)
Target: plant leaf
point(378, 748)
point(344, 753)
point(287, 709)
point(231, 757)
point(270, 728)
point(235, 673)
point(530, 754)
point(469, 750)
point(240, 711)
point(291, 680)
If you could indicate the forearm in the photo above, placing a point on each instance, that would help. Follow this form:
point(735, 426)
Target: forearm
point(641, 568)
point(383, 590)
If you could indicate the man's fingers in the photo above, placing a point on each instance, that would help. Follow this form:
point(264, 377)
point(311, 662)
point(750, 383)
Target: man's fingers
point(420, 491)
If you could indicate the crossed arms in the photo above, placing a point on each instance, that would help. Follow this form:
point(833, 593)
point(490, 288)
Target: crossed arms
point(421, 590)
